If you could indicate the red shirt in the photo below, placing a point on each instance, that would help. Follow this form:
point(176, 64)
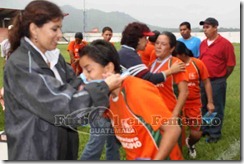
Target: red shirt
point(217, 56)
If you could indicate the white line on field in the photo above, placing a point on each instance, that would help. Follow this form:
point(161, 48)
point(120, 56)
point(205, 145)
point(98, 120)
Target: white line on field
point(231, 152)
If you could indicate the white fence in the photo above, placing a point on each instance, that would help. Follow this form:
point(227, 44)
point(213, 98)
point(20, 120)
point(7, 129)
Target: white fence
point(233, 37)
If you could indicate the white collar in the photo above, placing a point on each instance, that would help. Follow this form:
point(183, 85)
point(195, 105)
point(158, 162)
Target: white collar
point(49, 56)
point(125, 46)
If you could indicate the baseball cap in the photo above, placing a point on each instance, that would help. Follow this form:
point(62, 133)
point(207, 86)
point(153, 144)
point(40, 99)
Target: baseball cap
point(79, 35)
point(148, 33)
point(211, 21)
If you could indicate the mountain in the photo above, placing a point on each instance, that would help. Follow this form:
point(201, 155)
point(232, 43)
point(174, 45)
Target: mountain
point(96, 19)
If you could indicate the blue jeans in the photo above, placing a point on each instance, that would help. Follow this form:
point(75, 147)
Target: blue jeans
point(219, 98)
point(101, 131)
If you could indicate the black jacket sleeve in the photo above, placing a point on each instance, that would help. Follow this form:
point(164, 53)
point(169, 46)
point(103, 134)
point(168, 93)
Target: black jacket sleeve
point(45, 96)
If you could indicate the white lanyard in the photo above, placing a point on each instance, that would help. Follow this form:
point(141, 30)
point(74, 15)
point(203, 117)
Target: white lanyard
point(163, 62)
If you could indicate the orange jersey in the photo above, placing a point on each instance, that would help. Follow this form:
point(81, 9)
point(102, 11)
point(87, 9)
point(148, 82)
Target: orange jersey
point(145, 55)
point(166, 88)
point(137, 119)
point(76, 47)
point(153, 57)
point(196, 71)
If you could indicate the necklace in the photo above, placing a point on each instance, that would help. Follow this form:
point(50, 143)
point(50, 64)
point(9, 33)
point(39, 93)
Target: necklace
point(161, 64)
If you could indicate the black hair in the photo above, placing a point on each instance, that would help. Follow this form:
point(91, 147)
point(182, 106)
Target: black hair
point(172, 38)
point(181, 49)
point(154, 37)
point(107, 29)
point(187, 24)
point(79, 35)
point(102, 52)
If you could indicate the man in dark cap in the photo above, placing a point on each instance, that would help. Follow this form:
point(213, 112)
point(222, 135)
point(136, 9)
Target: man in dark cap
point(73, 48)
point(217, 53)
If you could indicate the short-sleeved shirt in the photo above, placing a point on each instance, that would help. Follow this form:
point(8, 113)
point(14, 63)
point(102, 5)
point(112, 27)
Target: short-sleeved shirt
point(166, 88)
point(217, 56)
point(137, 119)
point(146, 54)
point(76, 47)
point(193, 44)
point(196, 71)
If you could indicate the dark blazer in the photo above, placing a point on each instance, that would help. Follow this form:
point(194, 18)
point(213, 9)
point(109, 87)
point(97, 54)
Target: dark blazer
point(35, 100)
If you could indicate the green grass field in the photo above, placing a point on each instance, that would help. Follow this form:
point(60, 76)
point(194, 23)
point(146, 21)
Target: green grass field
point(228, 148)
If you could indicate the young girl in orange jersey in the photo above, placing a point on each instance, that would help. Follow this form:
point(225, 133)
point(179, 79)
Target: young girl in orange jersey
point(196, 72)
point(141, 121)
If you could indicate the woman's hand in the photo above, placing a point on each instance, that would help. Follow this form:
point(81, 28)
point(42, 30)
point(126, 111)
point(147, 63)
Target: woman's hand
point(177, 67)
point(113, 80)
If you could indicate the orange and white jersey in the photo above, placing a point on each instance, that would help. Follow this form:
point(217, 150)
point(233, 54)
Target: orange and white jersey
point(137, 119)
point(166, 88)
point(196, 71)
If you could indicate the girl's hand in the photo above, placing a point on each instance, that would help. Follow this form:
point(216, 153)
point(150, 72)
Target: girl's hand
point(177, 67)
point(113, 81)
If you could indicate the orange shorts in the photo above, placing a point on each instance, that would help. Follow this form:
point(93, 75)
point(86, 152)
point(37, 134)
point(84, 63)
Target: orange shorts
point(192, 117)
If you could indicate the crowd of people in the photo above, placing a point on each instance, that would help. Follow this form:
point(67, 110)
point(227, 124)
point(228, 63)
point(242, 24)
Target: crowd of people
point(141, 97)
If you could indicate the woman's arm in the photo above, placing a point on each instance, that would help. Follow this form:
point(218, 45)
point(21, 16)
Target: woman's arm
point(183, 93)
point(171, 134)
point(156, 78)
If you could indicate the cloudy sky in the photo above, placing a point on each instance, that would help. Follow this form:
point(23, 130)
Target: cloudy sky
point(164, 13)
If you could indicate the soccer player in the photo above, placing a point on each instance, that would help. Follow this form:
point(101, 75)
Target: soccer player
point(196, 72)
point(145, 130)
point(73, 48)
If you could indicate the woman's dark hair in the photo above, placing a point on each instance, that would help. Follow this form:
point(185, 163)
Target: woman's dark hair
point(132, 33)
point(172, 38)
point(181, 49)
point(102, 52)
point(154, 37)
point(38, 12)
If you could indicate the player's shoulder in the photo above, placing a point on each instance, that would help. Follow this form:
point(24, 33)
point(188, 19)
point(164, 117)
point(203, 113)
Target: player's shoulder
point(197, 61)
